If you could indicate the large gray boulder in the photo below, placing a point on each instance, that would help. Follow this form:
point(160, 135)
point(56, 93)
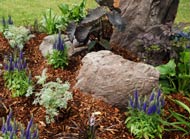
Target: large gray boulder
point(114, 79)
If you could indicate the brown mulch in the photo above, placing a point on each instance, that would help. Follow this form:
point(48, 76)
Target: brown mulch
point(73, 122)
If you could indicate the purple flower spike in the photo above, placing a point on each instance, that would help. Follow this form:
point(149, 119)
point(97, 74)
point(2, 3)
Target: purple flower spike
point(152, 109)
point(10, 21)
point(59, 43)
point(28, 134)
point(151, 97)
point(21, 55)
point(159, 94)
point(131, 103)
point(136, 101)
point(35, 135)
point(8, 121)
point(3, 21)
point(144, 106)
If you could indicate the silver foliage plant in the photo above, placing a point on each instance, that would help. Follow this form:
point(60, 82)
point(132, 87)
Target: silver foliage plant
point(53, 96)
point(17, 36)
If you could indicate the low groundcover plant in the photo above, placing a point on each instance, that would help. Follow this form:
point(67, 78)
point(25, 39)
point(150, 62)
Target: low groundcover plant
point(53, 96)
point(144, 116)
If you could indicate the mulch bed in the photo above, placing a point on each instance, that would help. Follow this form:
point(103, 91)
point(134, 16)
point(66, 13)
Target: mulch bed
point(73, 122)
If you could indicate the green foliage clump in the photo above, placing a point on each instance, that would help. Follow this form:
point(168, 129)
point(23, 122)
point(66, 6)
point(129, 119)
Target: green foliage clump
point(52, 23)
point(75, 13)
point(53, 96)
point(175, 76)
point(17, 36)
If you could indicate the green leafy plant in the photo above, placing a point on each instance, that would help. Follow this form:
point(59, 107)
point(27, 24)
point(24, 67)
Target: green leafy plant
point(75, 13)
point(11, 127)
point(144, 116)
point(15, 75)
point(53, 96)
point(183, 122)
point(59, 57)
point(17, 36)
point(97, 26)
point(50, 22)
point(175, 76)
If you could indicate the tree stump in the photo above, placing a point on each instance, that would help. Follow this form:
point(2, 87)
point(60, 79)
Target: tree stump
point(144, 17)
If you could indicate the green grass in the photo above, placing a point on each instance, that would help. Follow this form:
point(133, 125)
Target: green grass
point(25, 12)
point(183, 14)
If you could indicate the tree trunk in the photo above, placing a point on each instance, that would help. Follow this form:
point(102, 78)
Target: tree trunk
point(143, 17)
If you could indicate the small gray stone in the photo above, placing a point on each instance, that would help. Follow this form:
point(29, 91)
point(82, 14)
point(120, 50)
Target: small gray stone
point(114, 79)
point(46, 47)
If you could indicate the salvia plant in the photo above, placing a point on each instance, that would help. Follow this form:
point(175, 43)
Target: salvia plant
point(53, 96)
point(15, 74)
point(17, 36)
point(59, 56)
point(11, 128)
point(144, 116)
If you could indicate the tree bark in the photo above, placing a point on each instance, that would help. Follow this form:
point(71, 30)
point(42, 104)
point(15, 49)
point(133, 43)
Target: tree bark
point(142, 17)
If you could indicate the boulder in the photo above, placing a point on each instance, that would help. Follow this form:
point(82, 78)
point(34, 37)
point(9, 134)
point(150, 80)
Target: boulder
point(46, 47)
point(112, 78)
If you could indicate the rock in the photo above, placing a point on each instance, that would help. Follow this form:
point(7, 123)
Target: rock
point(144, 17)
point(114, 79)
point(46, 47)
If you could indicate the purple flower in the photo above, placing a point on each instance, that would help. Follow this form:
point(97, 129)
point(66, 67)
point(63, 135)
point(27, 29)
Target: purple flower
point(21, 55)
point(27, 132)
point(136, 101)
point(59, 43)
point(131, 102)
point(10, 21)
point(3, 21)
point(152, 109)
point(151, 97)
point(144, 106)
point(35, 134)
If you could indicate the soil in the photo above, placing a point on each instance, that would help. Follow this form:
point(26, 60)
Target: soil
point(73, 122)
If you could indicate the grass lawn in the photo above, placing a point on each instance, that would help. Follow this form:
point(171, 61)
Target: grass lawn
point(183, 14)
point(26, 11)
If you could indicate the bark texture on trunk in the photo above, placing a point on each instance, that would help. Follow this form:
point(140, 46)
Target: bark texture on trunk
point(142, 17)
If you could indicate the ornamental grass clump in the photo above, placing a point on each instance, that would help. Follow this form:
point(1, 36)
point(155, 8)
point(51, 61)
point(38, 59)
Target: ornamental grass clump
point(59, 57)
point(15, 74)
point(144, 116)
point(11, 129)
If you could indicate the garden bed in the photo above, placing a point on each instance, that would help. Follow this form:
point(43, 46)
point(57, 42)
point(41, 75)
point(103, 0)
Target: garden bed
point(73, 122)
